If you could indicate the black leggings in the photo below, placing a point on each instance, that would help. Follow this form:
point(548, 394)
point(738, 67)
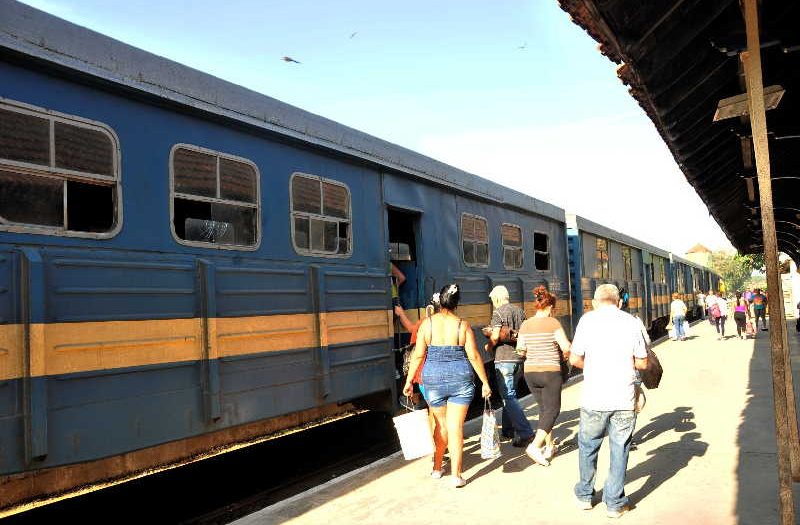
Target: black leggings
point(546, 388)
point(719, 322)
point(760, 312)
point(741, 319)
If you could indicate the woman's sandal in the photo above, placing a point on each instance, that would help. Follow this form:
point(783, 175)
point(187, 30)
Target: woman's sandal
point(550, 451)
point(537, 456)
point(458, 481)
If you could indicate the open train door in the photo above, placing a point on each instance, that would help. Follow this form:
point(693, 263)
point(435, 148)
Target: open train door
point(404, 253)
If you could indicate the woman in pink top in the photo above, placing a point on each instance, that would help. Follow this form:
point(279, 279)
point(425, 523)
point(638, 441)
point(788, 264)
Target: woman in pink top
point(741, 314)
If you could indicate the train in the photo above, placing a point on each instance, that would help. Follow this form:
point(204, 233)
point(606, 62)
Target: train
point(598, 254)
point(186, 264)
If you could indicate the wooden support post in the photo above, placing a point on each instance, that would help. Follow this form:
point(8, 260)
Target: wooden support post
point(751, 60)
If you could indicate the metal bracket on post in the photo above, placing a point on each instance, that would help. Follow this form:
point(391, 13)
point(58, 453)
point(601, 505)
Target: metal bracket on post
point(34, 386)
point(210, 357)
point(316, 283)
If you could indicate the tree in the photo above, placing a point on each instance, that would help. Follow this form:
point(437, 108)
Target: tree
point(734, 269)
point(759, 265)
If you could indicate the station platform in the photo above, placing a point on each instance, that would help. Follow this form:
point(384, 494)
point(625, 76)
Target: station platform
point(705, 453)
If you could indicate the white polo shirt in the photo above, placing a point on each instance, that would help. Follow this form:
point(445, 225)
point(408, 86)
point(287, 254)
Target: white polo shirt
point(608, 339)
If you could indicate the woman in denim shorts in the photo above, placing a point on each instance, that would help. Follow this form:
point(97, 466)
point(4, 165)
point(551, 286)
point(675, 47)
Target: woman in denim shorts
point(447, 345)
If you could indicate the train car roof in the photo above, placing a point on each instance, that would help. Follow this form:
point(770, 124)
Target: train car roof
point(581, 224)
point(27, 31)
point(687, 262)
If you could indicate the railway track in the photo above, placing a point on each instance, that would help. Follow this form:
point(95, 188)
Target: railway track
point(224, 488)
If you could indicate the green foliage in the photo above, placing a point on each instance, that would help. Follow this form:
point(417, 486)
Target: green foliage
point(735, 269)
point(759, 265)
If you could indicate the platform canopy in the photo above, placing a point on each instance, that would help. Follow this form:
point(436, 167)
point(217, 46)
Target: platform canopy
point(680, 60)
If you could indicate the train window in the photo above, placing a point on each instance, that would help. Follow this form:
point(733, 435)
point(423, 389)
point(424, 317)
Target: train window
point(541, 251)
point(59, 174)
point(512, 246)
point(82, 149)
point(31, 200)
point(24, 137)
point(627, 265)
point(475, 240)
point(662, 272)
point(320, 216)
point(214, 198)
point(602, 271)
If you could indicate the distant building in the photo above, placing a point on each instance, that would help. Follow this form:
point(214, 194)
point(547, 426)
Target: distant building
point(699, 254)
point(790, 282)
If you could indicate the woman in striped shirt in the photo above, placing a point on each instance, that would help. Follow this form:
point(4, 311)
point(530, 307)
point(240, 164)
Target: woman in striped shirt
point(539, 339)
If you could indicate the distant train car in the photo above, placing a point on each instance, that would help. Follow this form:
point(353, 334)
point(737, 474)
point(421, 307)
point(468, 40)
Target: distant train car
point(601, 255)
point(689, 279)
point(186, 264)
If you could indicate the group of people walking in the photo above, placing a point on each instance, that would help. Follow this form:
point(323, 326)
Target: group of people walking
point(748, 307)
point(608, 344)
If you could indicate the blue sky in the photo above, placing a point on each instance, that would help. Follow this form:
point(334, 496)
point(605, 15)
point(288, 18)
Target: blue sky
point(512, 91)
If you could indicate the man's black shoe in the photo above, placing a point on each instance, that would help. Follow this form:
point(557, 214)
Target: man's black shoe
point(521, 442)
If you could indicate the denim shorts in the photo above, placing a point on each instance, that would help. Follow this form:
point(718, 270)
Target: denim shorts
point(447, 376)
point(460, 393)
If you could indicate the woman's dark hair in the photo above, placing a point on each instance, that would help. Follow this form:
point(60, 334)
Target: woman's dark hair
point(449, 296)
point(543, 298)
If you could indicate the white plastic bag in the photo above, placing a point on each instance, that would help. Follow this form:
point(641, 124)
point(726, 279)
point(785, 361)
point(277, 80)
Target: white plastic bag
point(685, 328)
point(414, 432)
point(671, 333)
point(490, 437)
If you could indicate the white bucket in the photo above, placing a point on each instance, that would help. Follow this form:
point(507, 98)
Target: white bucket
point(415, 435)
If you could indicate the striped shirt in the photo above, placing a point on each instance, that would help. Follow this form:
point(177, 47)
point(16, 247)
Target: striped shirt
point(537, 338)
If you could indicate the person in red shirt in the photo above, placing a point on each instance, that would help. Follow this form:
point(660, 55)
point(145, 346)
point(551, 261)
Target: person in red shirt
point(431, 308)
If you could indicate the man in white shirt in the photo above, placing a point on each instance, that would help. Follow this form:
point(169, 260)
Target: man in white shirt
point(609, 346)
point(701, 302)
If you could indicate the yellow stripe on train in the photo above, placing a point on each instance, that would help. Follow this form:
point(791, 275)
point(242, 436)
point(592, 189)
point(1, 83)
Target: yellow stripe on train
point(63, 348)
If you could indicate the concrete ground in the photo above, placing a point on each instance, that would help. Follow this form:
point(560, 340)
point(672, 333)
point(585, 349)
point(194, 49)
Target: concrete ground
point(705, 453)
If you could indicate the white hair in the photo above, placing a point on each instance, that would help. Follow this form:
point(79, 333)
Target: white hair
point(607, 293)
point(499, 295)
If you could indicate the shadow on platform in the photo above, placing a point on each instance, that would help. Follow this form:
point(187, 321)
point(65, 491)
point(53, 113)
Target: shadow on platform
point(757, 469)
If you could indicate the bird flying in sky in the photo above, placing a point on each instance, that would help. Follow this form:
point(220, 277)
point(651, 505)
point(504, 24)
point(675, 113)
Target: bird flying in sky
point(353, 34)
point(290, 59)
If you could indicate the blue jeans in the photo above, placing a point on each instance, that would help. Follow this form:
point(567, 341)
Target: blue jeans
point(677, 322)
point(513, 418)
point(594, 426)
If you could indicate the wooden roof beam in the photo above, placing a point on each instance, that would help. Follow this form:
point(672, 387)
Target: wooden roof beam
point(650, 61)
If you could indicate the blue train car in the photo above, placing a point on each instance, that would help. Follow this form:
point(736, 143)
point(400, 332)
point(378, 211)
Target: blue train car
point(601, 255)
point(187, 264)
